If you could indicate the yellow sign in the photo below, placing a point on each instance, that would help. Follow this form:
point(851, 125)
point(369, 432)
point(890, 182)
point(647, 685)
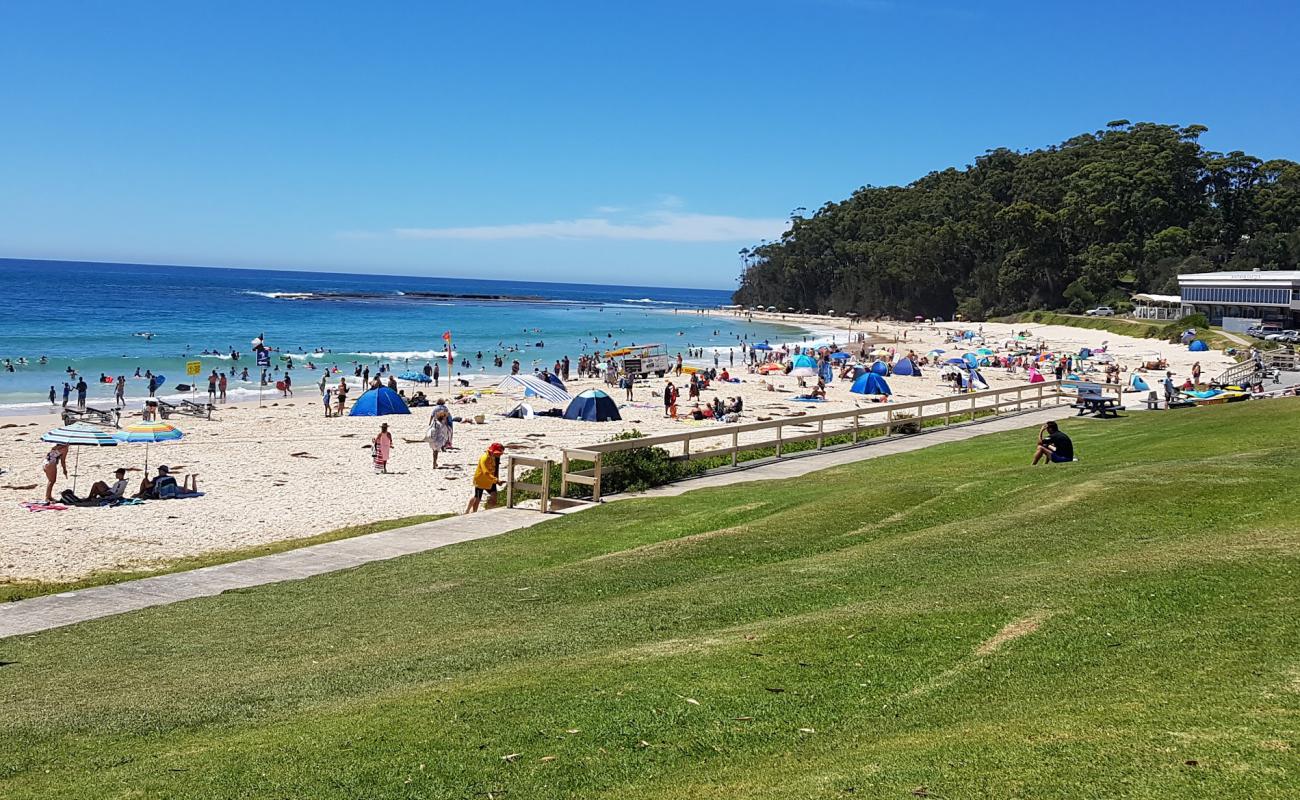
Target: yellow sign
point(193, 367)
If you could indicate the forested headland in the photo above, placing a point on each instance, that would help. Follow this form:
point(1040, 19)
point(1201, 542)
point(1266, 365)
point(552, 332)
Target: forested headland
point(1091, 220)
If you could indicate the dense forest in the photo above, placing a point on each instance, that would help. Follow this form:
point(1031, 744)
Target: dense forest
point(1092, 220)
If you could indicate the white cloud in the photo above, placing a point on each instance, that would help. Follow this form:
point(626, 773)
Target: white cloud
point(659, 226)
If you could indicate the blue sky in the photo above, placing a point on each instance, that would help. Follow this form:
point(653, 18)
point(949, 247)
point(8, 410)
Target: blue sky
point(618, 142)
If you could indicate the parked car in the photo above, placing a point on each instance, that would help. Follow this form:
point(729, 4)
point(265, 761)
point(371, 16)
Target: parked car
point(1283, 336)
point(1262, 331)
point(1100, 311)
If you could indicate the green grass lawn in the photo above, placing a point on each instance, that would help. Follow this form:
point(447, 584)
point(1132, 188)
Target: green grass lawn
point(1123, 326)
point(948, 623)
point(20, 590)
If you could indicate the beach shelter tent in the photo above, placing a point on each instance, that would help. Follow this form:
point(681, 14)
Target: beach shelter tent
point(379, 403)
point(971, 360)
point(1139, 385)
point(1035, 376)
point(521, 411)
point(534, 386)
point(803, 367)
point(1198, 346)
point(593, 405)
point(870, 383)
point(880, 368)
point(904, 367)
point(973, 378)
point(555, 381)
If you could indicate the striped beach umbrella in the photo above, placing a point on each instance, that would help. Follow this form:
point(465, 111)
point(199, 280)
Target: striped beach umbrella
point(148, 433)
point(79, 435)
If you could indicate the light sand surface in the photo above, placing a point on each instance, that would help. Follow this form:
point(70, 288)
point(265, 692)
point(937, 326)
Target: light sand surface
point(257, 490)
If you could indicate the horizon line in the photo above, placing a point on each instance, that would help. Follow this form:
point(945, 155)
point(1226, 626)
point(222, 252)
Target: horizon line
point(357, 274)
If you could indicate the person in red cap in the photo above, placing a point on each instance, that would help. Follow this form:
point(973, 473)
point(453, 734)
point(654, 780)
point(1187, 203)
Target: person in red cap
point(485, 477)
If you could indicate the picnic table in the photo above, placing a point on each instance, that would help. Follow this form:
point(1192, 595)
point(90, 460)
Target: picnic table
point(1090, 400)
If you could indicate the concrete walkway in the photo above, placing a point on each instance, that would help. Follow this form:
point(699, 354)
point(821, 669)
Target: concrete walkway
point(68, 608)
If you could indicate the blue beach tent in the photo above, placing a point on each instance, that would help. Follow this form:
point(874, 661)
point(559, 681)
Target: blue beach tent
point(379, 403)
point(904, 367)
point(870, 383)
point(555, 381)
point(879, 368)
point(593, 405)
point(1198, 346)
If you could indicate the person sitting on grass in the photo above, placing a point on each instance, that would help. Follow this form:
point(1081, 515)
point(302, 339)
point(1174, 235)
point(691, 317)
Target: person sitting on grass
point(1053, 446)
point(105, 491)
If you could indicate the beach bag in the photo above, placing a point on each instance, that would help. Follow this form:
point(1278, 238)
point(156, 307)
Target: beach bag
point(164, 487)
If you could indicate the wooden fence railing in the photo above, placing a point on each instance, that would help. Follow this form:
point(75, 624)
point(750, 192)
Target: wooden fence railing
point(713, 440)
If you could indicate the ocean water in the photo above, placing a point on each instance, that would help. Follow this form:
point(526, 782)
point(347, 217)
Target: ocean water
point(88, 317)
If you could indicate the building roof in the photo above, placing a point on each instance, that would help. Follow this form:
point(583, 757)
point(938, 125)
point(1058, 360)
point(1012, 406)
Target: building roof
point(1250, 276)
point(1171, 299)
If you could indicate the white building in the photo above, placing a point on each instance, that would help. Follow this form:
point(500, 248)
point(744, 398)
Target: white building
point(1238, 299)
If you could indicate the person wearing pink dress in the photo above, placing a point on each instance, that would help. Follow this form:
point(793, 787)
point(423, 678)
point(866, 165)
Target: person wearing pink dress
point(383, 445)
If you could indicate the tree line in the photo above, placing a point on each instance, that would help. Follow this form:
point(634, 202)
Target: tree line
point(1092, 220)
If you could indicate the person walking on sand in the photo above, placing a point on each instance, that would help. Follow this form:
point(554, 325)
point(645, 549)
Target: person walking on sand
point(668, 397)
point(119, 392)
point(56, 458)
point(221, 388)
point(485, 477)
point(52, 395)
point(439, 434)
point(342, 395)
point(1196, 374)
point(382, 447)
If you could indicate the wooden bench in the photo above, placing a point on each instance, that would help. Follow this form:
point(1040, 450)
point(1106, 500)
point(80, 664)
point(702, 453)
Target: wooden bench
point(1090, 400)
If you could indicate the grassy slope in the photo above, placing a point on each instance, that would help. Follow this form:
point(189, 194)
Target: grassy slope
point(10, 591)
point(1162, 570)
point(1122, 326)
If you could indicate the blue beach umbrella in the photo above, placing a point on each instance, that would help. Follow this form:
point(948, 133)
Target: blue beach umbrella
point(761, 346)
point(840, 356)
point(418, 377)
point(79, 435)
point(379, 403)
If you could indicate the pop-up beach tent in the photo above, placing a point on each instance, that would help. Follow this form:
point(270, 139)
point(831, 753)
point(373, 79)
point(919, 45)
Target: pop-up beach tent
point(379, 403)
point(870, 383)
point(879, 368)
point(1198, 346)
point(904, 367)
point(803, 367)
point(593, 405)
point(521, 411)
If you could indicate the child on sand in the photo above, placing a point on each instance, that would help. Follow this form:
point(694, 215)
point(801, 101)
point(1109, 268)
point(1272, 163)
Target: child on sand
point(485, 477)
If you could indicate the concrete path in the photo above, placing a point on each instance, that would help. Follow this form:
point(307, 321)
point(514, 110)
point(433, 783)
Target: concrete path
point(68, 608)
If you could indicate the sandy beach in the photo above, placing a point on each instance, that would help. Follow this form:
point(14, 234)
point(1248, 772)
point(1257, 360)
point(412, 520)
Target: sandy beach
point(283, 471)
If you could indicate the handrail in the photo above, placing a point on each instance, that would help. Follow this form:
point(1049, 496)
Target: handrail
point(947, 407)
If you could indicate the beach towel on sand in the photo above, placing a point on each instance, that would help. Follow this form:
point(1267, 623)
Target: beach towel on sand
point(44, 506)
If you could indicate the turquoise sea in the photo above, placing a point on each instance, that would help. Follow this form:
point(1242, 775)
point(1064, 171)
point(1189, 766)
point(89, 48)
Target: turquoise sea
point(93, 319)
